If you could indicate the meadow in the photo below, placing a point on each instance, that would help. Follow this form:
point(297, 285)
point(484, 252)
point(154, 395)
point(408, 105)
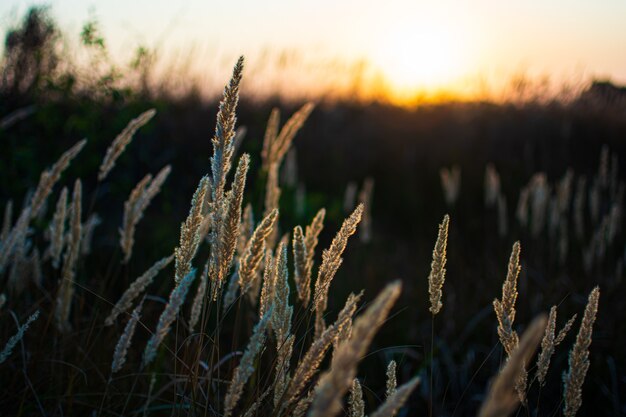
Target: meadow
point(170, 254)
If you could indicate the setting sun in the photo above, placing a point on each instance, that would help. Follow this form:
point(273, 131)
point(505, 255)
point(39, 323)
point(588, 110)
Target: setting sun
point(419, 57)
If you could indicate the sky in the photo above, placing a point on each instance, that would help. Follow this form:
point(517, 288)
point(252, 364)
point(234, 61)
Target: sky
point(399, 45)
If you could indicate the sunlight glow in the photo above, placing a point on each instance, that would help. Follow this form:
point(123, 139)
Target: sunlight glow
point(402, 51)
point(420, 56)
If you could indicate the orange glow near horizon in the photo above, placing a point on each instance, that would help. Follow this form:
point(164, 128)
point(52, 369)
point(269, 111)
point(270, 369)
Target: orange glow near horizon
point(423, 59)
point(418, 56)
point(403, 51)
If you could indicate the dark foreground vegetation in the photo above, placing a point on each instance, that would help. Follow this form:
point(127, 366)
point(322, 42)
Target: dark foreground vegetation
point(47, 105)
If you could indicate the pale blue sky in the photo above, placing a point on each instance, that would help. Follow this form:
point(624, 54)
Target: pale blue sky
point(563, 38)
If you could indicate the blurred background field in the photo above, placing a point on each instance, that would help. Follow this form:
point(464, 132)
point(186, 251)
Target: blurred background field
point(59, 87)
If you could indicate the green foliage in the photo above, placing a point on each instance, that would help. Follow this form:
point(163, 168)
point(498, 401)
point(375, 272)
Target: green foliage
point(90, 35)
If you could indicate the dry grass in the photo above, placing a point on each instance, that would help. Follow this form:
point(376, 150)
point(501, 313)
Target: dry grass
point(256, 346)
point(579, 358)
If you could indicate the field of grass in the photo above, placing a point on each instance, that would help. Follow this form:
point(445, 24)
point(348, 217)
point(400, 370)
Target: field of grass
point(172, 255)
